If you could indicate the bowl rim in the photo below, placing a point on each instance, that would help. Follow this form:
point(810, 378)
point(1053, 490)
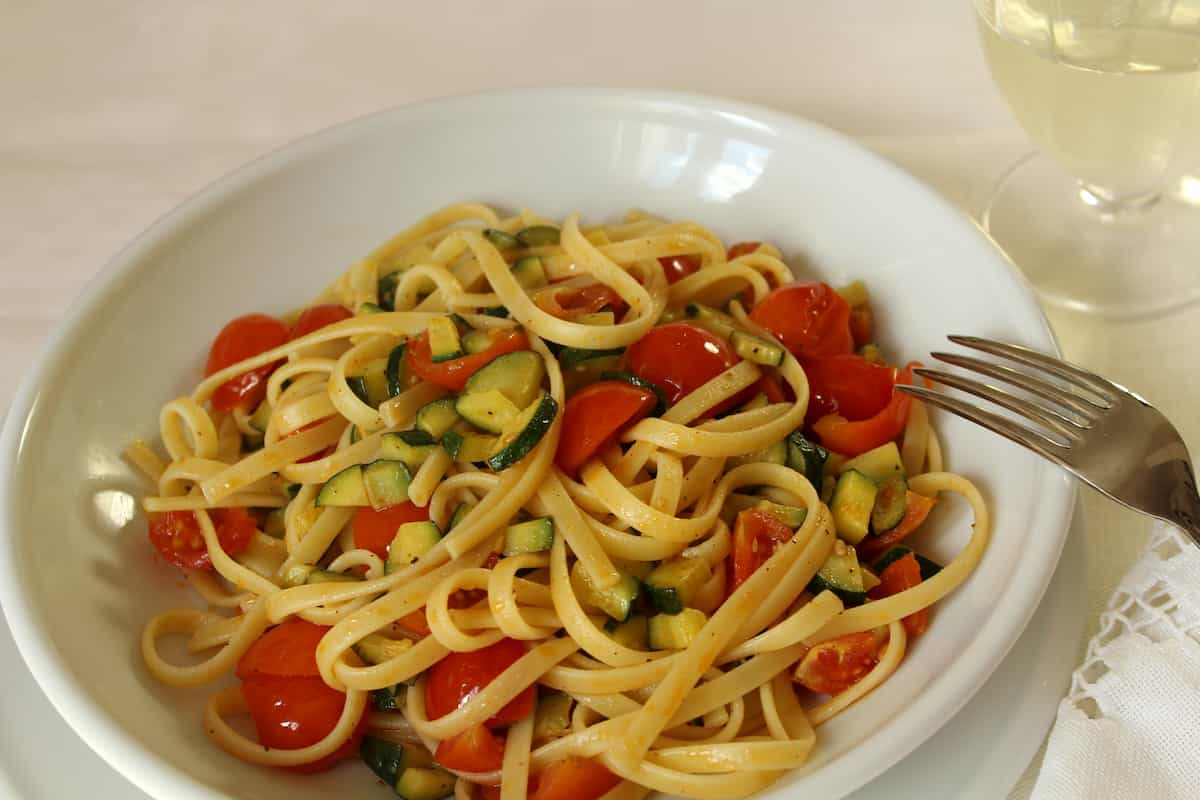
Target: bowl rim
point(160, 778)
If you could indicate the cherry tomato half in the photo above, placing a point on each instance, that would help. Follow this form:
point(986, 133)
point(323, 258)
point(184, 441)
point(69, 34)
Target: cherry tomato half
point(834, 666)
point(289, 650)
point(903, 573)
point(742, 249)
point(244, 337)
point(811, 319)
point(852, 438)
point(756, 537)
point(458, 677)
point(573, 778)
point(679, 357)
point(588, 300)
point(676, 268)
point(474, 750)
point(291, 713)
point(595, 416)
point(374, 530)
point(176, 535)
point(314, 318)
point(453, 374)
point(847, 385)
point(916, 509)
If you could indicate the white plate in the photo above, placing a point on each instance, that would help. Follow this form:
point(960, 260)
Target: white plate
point(78, 581)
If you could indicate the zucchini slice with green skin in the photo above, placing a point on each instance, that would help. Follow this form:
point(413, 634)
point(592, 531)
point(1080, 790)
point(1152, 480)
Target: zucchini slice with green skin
point(437, 417)
point(929, 568)
point(468, 447)
point(774, 454)
point(534, 536)
point(538, 235)
point(570, 357)
point(494, 311)
point(410, 447)
point(588, 372)
point(501, 239)
point(842, 575)
point(527, 430)
point(756, 349)
point(792, 516)
point(879, 464)
point(712, 320)
point(376, 649)
point(675, 631)
point(597, 318)
point(459, 513)
point(386, 483)
point(488, 410)
point(425, 783)
point(397, 375)
point(387, 291)
point(552, 719)
point(413, 540)
point(390, 698)
point(369, 308)
point(386, 759)
point(674, 583)
point(889, 504)
point(517, 375)
point(853, 499)
point(274, 525)
point(633, 633)
point(444, 344)
point(620, 375)
point(372, 385)
point(616, 601)
point(476, 342)
point(529, 272)
point(344, 489)
point(807, 458)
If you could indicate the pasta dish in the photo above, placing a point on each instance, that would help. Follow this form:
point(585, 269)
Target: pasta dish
point(520, 507)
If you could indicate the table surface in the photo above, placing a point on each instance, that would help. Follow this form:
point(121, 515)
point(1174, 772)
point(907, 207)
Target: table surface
point(114, 111)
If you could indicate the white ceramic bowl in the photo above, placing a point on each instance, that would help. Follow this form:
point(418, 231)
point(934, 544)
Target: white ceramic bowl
point(77, 575)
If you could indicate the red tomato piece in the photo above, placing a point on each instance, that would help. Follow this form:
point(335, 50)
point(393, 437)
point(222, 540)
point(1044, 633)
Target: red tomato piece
point(314, 318)
point(771, 386)
point(853, 438)
point(573, 778)
point(458, 677)
point(244, 337)
point(916, 509)
point(862, 326)
point(679, 357)
point(741, 249)
point(811, 319)
point(288, 650)
point(453, 374)
point(597, 415)
point(834, 666)
point(291, 713)
point(476, 749)
point(676, 268)
point(903, 573)
point(847, 385)
point(177, 537)
point(374, 530)
point(415, 622)
point(756, 537)
point(489, 793)
point(588, 300)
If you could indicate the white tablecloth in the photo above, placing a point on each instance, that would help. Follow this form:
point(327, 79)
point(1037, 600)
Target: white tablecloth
point(113, 111)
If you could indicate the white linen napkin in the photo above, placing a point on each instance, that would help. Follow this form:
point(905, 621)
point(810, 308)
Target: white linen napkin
point(1129, 729)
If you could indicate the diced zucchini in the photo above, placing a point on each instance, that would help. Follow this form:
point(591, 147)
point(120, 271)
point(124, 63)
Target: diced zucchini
point(632, 633)
point(597, 318)
point(413, 540)
point(570, 357)
point(879, 464)
point(854, 293)
point(675, 631)
point(526, 431)
point(386, 759)
point(712, 320)
point(390, 698)
point(929, 568)
point(369, 308)
point(641, 383)
point(872, 353)
point(870, 579)
point(437, 417)
point(638, 569)
point(459, 513)
point(758, 401)
point(588, 372)
point(502, 240)
point(834, 464)
point(386, 483)
point(517, 375)
point(355, 434)
point(372, 385)
point(807, 458)
point(616, 600)
point(476, 342)
point(842, 575)
point(346, 488)
point(444, 344)
point(425, 783)
point(773, 454)
point(552, 719)
point(396, 372)
point(387, 291)
point(411, 447)
point(376, 648)
point(674, 583)
point(468, 447)
point(494, 311)
point(538, 235)
point(261, 417)
point(792, 516)
point(889, 504)
point(529, 272)
point(533, 536)
point(489, 410)
point(756, 349)
point(274, 525)
point(853, 499)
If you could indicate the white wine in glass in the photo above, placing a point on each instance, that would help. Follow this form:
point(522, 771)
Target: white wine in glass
point(1109, 90)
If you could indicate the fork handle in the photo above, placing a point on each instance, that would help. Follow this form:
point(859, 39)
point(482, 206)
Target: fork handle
point(1184, 499)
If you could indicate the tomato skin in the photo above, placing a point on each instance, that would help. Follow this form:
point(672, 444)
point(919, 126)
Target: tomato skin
point(676, 268)
point(834, 666)
point(177, 537)
point(903, 573)
point(314, 318)
point(374, 530)
point(771, 386)
point(756, 537)
point(289, 650)
point(474, 750)
point(242, 338)
point(811, 319)
point(851, 438)
point(458, 677)
point(453, 374)
point(595, 416)
point(847, 385)
point(290, 713)
point(916, 509)
point(741, 249)
point(489, 793)
point(588, 300)
point(573, 778)
point(679, 357)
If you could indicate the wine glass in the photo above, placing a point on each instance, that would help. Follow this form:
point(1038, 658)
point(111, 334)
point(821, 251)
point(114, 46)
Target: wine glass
point(1109, 90)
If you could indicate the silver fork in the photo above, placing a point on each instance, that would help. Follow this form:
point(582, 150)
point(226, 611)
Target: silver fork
point(1104, 434)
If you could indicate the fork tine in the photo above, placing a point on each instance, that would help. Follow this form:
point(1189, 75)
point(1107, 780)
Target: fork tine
point(1043, 389)
point(1056, 367)
point(1026, 437)
point(1067, 428)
